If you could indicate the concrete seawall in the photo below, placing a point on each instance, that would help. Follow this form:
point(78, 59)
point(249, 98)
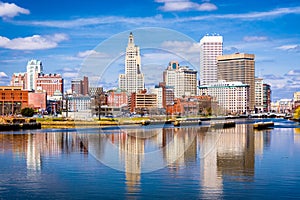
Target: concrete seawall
point(20, 126)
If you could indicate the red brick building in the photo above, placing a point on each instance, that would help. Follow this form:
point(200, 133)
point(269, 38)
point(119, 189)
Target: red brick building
point(50, 83)
point(142, 101)
point(117, 98)
point(37, 100)
point(190, 106)
point(12, 99)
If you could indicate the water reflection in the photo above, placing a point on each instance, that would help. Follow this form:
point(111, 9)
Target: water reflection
point(221, 154)
point(297, 135)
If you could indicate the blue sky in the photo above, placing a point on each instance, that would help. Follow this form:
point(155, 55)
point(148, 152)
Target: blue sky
point(63, 33)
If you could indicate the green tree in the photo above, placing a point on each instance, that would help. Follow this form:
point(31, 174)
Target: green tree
point(27, 112)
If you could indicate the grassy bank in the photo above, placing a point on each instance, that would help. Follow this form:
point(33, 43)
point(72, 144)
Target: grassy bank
point(67, 123)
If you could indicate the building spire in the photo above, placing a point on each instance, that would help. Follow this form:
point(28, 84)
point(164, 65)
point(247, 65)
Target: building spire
point(130, 39)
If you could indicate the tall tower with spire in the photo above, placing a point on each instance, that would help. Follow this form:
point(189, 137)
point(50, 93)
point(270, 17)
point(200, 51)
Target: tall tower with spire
point(133, 79)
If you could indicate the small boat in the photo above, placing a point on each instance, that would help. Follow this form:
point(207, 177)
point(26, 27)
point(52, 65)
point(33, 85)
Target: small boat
point(263, 125)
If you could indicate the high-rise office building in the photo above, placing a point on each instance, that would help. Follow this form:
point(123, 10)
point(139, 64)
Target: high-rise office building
point(182, 79)
point(80, 87)
point(211, 46)
point(85, 86)
point(34, 67)
point(133, 79)
point(238, 67)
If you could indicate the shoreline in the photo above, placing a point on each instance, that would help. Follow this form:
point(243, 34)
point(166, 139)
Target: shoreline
point(61, 124)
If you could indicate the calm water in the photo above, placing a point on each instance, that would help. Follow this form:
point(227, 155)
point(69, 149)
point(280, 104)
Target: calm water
point(152, 162)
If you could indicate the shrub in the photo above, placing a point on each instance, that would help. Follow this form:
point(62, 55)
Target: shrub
point(27, 112)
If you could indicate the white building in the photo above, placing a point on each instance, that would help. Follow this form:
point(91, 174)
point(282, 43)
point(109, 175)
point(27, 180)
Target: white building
point(182, 79)
point(259, 94)
point(78, 103)
point(159, 95)
point(211, 46)
point(133, 79)
point(34, 67)
point(282, 106)
point(296, 96)
point(233, 97)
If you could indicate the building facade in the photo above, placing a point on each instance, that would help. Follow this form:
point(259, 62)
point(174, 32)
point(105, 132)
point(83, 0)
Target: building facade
point(133, 79)
point(80, 87)
point(117, 98)
point(211, 46)
point(296, 96)
point(259, 95)
point(142, 102)
point(170, 96)
point(169, 75)
point(233, 97)
point(78, 103)
point(238, 67)
point(95, 91)
point(190, 106)
point(282, 106)
point(37, 100)
point(159, 92)
point(19, 79)
point(267, 97)
point(182, 79)
point(50, 83)
point(34, 67)
point(12, 99)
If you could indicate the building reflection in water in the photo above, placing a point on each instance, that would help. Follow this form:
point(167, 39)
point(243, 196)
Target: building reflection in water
point(223, 153)
point(297, 135)
point(262, 140)
point(179, 147)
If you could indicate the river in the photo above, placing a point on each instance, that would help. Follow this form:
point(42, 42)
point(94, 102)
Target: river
point(152, 162)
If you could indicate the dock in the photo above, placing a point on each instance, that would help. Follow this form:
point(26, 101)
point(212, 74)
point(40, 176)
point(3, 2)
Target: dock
point(222, 124)
point(263, 125)
point(186, 122)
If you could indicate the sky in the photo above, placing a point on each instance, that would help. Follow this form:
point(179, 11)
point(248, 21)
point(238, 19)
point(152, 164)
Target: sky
point(67, 36)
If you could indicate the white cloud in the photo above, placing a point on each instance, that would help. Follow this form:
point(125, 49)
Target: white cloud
point(182, 46)
point(283, 85)
point(293, 73)
point(70, 74)
point(34, 42)
point(10, 10)
point(158, 19)
point(255, 38)
point(3, 75)
point(185, 5)
point(84, 54)
point(92, 21)
point(289, 47)
point(188, 51)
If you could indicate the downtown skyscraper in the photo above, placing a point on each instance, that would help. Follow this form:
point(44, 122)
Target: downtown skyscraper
point(34, 67)
point(211, 46)
point(133, 79)
point(239, 67)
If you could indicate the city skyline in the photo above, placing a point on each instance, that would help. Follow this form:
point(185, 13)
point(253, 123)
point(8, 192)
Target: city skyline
point(62, 41)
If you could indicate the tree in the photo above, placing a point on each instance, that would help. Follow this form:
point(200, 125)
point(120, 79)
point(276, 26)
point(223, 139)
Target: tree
point(297, 113)
point(27, 112)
